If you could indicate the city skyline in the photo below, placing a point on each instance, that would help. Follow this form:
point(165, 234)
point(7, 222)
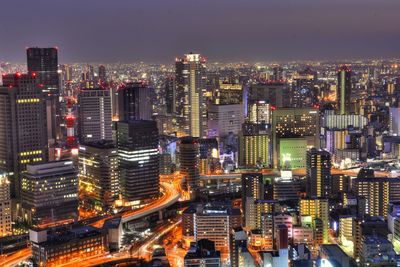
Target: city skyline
point(200, 133)
point(98, 31)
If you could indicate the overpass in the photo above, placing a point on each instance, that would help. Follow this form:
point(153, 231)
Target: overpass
point(170, 197)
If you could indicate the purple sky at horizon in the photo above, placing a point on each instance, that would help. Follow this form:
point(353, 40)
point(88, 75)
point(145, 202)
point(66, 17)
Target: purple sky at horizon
point(222, 30)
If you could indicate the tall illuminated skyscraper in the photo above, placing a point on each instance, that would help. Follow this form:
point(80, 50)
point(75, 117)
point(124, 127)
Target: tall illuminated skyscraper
point(94, 115)
point(343, 94)
point(23, 134)
point(318, 173)
point(138, 159)
point(255, 145)
point(98, 174)
point(190, 82)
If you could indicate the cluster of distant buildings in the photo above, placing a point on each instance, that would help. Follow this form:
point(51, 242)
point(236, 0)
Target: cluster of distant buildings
point(92, 143)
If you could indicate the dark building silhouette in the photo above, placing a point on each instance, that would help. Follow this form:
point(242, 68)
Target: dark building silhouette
point(138, 159)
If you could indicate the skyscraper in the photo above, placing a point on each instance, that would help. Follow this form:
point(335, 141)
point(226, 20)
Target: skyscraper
point(5, 206)
point(102, 74)
point(215, 222)
point(189, 162)
point(134, 102)
point(98, 174)
point(343, 94)
point(94, 115)
point(292, 124)
point(255, 145)
point(190, 82)
point(318, 173)
point(49, 193)
point(44, 62)
point(275, 93)
point(228, 94)
point(138, 159)
point(23, 134)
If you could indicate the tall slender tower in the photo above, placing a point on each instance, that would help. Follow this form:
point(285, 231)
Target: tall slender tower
point(23, 134)
point(190, 82)
point(95, 119)
point(343, 93)
point(44, 62)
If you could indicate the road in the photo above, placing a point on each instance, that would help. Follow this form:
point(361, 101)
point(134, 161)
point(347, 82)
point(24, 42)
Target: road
point(169, 197)
point(15, 258)
point(143, 251)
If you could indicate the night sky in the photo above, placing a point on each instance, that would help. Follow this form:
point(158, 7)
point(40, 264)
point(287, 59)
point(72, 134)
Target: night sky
point(222, 30)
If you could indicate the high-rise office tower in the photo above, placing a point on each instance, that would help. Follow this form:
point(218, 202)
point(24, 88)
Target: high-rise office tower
point(49, 193)
point(102, 74)
point(304, 92)
point(343, 94)
point(190, 90)
point(98, 174)
point(215, 222)
point(318, 173)
point(138, 159)
point(274, 93)
point(23, 134)
point(44, 62)
point(228, 94)
point(255, 145)
point(292, 124)
point(225, 119)
point(5, 206)
point(94, 115)
point(189, 162)
point(259, 112)
point(134, 102)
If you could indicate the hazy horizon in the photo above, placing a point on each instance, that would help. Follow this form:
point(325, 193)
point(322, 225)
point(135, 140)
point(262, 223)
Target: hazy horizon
point(157, 31)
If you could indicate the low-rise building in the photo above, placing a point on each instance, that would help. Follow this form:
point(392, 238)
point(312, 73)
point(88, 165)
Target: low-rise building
point(53, 247)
